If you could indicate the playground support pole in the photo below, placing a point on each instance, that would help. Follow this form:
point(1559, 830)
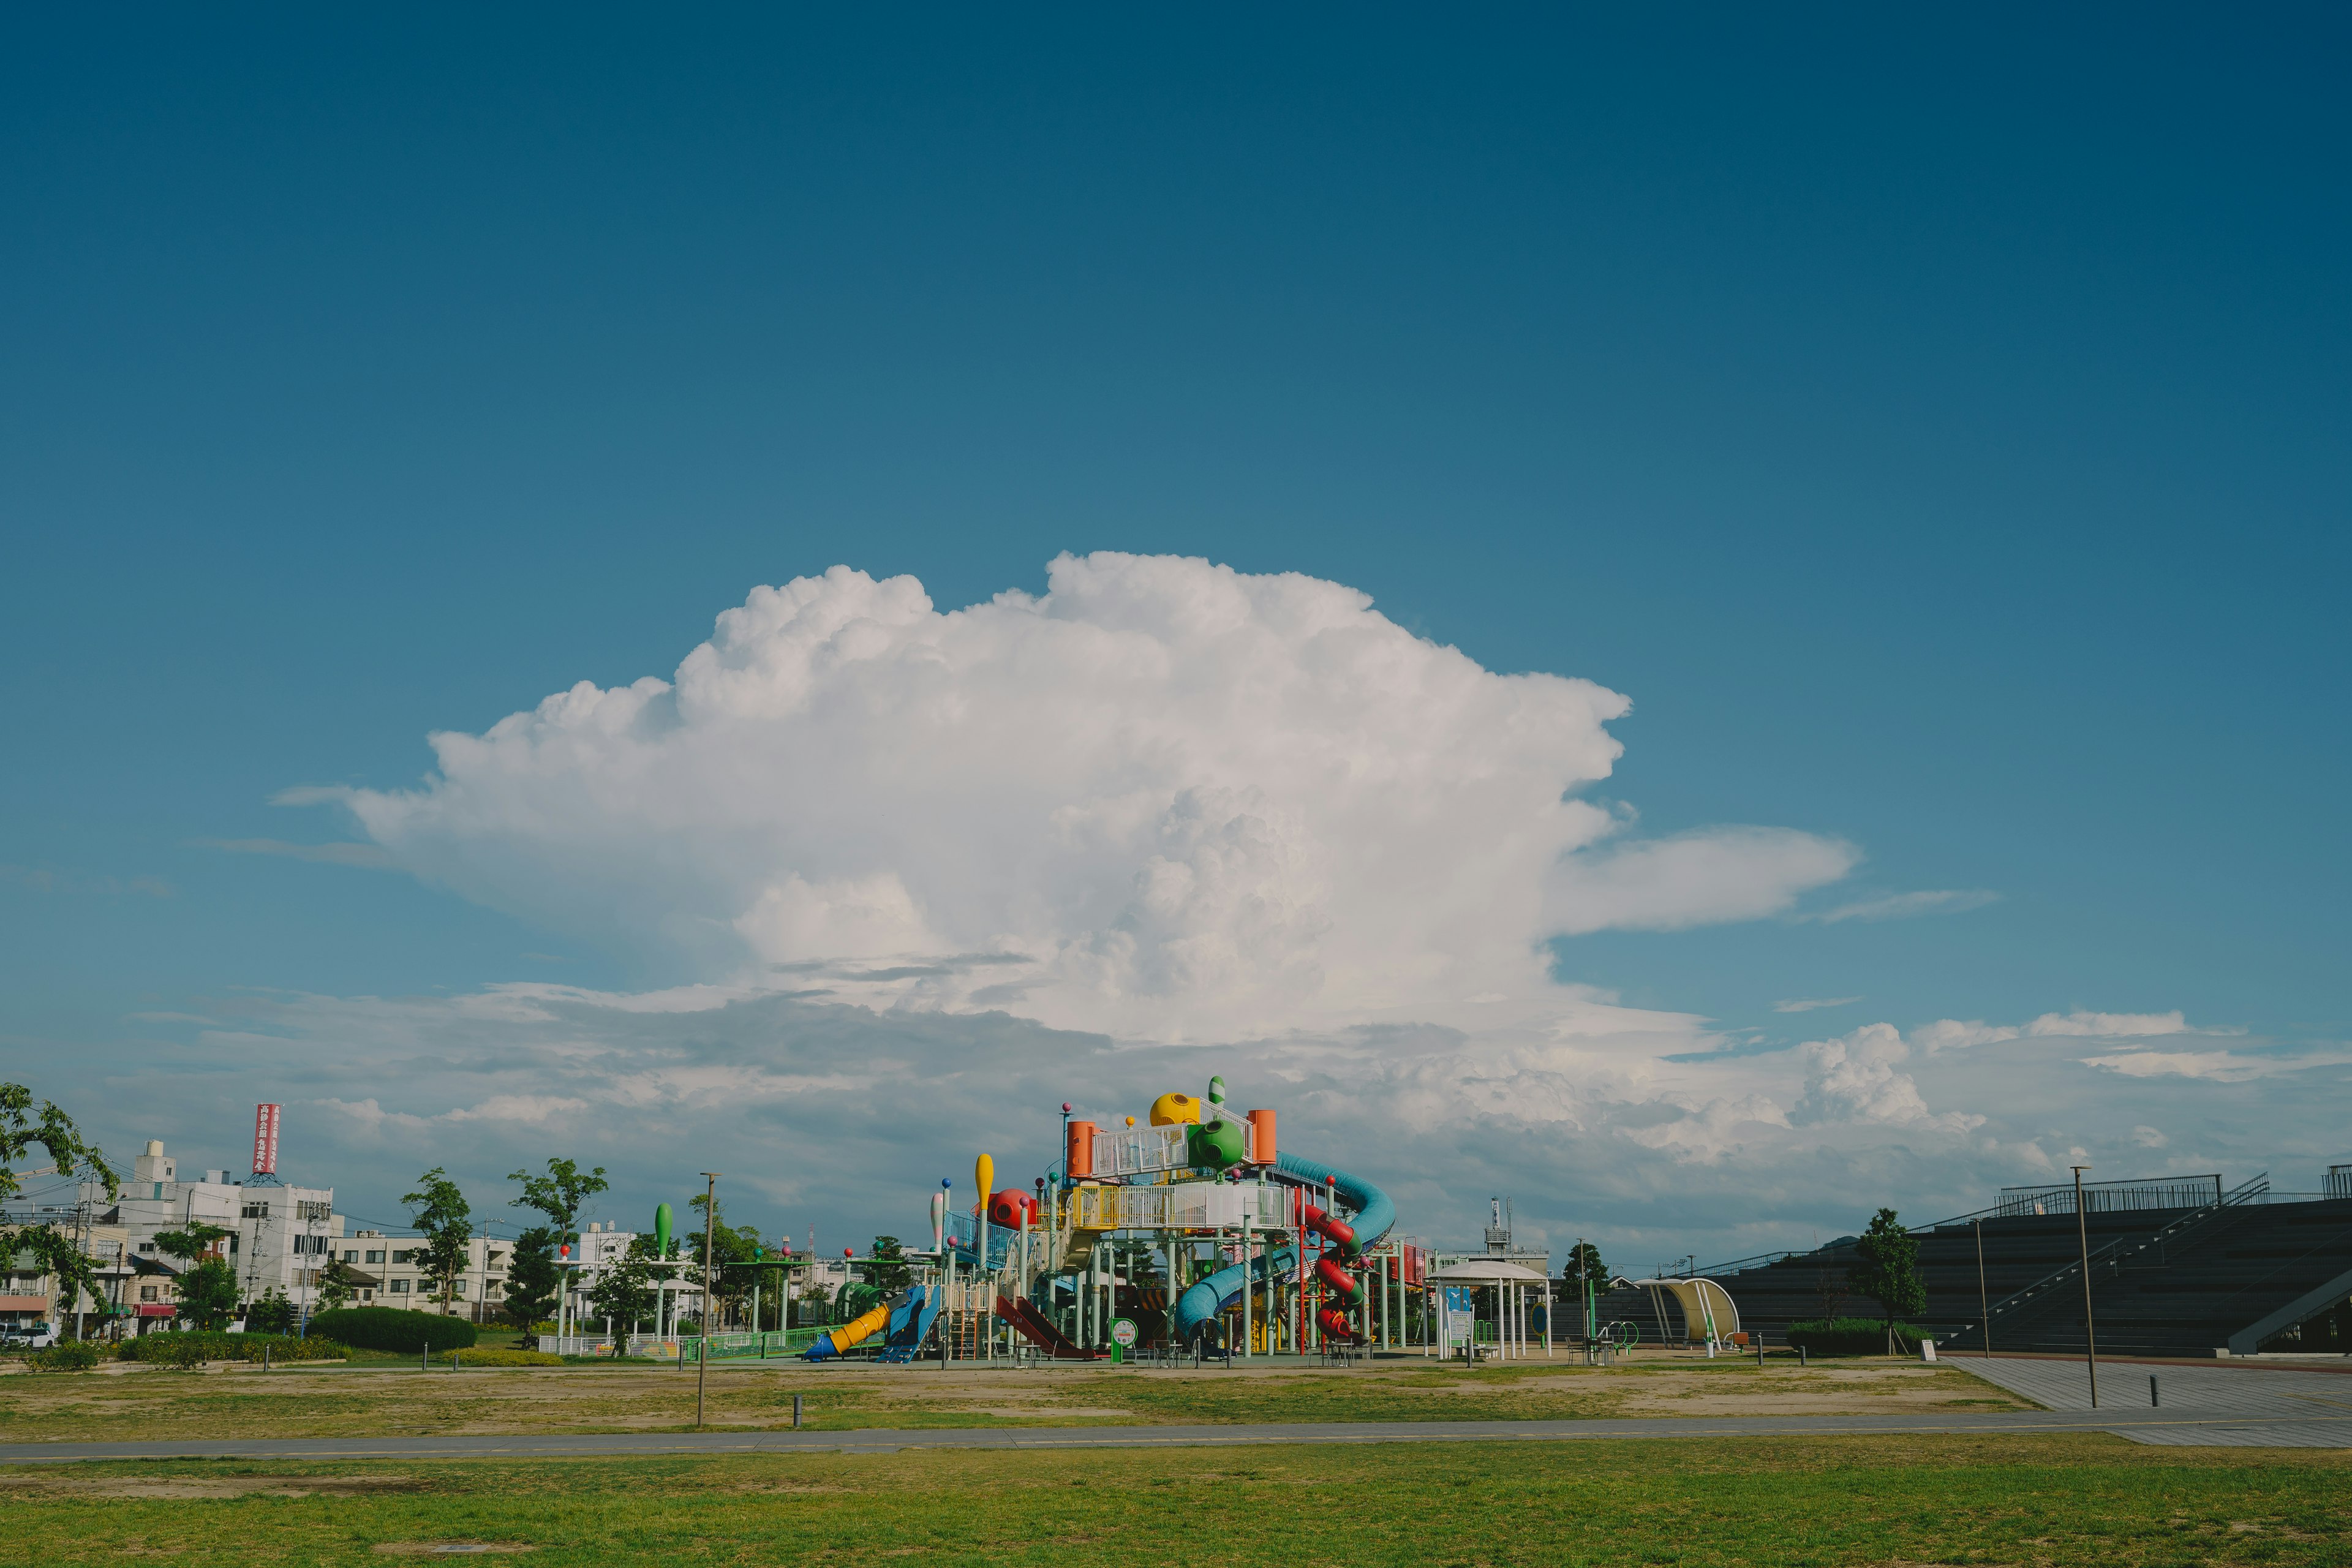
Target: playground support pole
point(1548, 1298)
point(1246, 1284)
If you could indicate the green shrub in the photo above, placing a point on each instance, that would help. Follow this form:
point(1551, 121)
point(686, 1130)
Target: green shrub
point(74, 1355)
point(395, 1330)
point(1852, 1336)
point(172, 1349)
point(182, 1352)
point(489, 1356)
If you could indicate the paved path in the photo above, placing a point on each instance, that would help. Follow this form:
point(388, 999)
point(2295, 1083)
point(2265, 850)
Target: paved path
point(2162, 1425)
point(2276, 1406)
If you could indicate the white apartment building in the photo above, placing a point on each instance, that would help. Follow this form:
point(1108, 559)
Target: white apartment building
point(387, 1272)
point(279, 1236)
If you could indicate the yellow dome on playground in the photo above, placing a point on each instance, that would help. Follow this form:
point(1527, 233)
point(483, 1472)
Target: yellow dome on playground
point(1171, 1110)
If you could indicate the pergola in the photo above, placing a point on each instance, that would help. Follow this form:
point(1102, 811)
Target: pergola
point(1510, 1283)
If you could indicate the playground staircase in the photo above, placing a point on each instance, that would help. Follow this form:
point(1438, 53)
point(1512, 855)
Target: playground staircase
point(1034, 1326)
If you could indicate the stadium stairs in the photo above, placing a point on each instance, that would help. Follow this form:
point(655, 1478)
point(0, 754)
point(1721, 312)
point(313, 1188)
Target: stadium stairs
point(2231, 1277)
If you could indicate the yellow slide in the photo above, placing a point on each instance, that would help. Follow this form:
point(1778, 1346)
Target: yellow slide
point(832, 1341)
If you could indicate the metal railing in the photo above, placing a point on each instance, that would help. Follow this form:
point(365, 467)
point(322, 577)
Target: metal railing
point(2115, 1255)
point(2113, 1197)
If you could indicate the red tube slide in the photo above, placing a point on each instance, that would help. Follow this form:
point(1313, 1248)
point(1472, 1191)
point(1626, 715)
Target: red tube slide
point(1334, 1269)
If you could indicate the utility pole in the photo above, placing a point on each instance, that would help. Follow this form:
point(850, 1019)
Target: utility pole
point(2090, 1335)
point(710, 1288)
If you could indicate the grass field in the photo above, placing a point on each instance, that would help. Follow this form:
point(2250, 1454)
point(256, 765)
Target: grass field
point(2054, 1499)
point(395, 1399)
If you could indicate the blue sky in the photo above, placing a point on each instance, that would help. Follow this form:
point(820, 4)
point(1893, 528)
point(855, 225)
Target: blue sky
point(1935, 427)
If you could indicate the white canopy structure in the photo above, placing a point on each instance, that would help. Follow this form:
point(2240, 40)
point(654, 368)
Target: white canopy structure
point(1485, 1271)
point(1709, 1317)
point(1511, 1283)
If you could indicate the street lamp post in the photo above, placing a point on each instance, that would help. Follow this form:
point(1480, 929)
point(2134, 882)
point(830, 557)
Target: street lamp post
point(1984, 1310)
point(2090, 1334)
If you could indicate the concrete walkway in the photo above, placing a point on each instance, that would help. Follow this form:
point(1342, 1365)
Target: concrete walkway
point(2160, 1426)
point(2273, 1405)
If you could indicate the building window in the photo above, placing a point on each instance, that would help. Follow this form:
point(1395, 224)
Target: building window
point(257, 1211)
point(457, 1286)
point(375, 1255)
point(147, 1292)
point(367, 1295)
point(351, 1255)
point(400, 1287)
point(402, 1255)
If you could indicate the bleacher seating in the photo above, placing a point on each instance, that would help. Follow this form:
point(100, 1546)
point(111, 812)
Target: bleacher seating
point(2163, 1282)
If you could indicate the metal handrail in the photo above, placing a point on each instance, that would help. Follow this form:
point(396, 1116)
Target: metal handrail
point(1758, 1261)
point(2253, 1189)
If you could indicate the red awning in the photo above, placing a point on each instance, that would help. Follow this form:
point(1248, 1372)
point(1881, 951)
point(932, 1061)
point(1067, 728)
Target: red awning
point(157, 1309)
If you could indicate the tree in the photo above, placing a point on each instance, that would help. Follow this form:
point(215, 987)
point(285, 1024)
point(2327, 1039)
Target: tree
point(446, 1221)
point(531, 1279)
point(559, 1194)
point(337, 1282)
point(71, 1157)
point(273, 1314)
point(1584, 1267)
point(624, 1290)
point(207, 1290)
point(1888, 1272)
point(888, 1268)
point(733, 1249)
point(1588, 1276)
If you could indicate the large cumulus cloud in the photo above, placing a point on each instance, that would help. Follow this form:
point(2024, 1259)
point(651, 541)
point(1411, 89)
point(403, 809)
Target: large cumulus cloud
point(1164, 799)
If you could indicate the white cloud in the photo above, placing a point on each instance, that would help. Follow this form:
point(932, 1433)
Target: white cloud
point(1903, 906)
point(2218, 1067)
point(2073, 1024)
point(1812, 1005)
point(1858, 1077)
point(1694, 879)
point(1181, 800)
point(1952, 1034)
point(367, 856)
point(921, 877)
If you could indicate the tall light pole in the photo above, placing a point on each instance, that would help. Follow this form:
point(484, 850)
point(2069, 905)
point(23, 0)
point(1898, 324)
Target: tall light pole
point(710, 1288)
point(2090, 1335)
point(1983, 1310)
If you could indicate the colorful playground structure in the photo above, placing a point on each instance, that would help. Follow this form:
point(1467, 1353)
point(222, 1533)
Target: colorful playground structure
point(1194, 1234)
point(1193, 1231)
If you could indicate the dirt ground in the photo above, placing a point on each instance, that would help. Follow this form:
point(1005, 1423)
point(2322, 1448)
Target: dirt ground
point(240, 1400)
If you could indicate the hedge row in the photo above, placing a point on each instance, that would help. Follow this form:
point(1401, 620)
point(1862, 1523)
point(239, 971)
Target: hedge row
point(482, 1355)
point(188, 1347)
point(1852, 1336)
point(395, 1330)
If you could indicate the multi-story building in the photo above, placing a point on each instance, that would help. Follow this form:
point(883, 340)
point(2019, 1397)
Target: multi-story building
point(386, 1270)
point(279, 1236)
